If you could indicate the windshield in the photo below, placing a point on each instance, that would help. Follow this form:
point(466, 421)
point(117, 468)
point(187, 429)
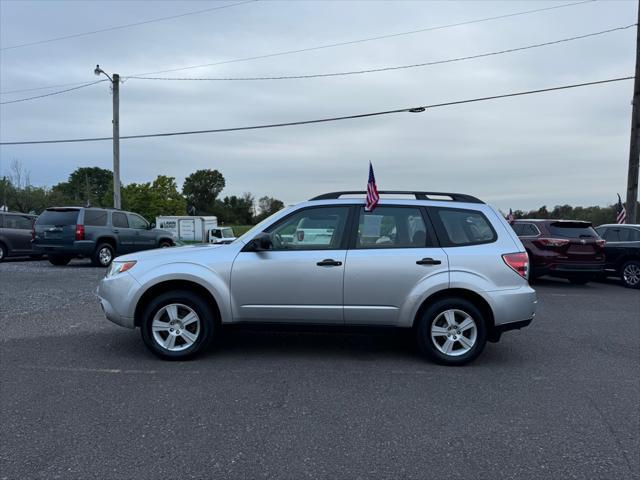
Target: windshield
point(261, 226)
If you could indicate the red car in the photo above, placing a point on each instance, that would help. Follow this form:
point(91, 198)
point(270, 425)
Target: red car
point(562, 248)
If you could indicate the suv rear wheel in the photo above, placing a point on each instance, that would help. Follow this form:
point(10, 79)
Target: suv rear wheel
point(631, 274)
point(452, 331)
point(59, 260)
point(103, 255)
point(177, 325)
point(3, 251)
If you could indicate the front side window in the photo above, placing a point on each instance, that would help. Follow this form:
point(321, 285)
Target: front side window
point(136, 221)
point(319, 228)
point(120, 220)
point(459, 227)
point(391, 227)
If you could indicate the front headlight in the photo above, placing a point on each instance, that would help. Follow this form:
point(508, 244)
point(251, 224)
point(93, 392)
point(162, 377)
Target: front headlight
point(120, 267)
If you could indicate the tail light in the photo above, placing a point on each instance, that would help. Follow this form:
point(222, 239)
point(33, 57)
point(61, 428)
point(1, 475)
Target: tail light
point(601, 243)
point(79, 232)
point(518, 262)
point(552, 242)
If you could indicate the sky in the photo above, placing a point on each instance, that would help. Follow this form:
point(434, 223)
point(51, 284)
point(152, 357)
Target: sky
point(548, 149)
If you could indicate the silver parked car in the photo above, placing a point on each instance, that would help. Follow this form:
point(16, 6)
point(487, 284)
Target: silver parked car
point(447, 265)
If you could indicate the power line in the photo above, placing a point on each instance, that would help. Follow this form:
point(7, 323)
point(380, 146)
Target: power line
point(128, 25)
point(385, 69)
point(330, 119)
point(369, 39)
point(331, 45)
point(52, 93)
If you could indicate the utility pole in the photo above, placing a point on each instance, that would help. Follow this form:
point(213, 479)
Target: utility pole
point(634, 144)
point(115, 89)
point(116, 141)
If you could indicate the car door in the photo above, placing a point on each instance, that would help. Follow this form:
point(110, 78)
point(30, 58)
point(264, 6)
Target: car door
point(295, 282)
point(393, 250)
point(144, 237)
point(126, 236)
point(17, 230)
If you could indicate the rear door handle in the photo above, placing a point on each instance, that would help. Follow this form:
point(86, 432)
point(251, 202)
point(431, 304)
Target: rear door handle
point(428, 261)
point(116, 231)
point(329, 262)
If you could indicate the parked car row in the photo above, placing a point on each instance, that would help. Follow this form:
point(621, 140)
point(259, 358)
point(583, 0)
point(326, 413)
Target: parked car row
point(576, 251)
point(63, 233)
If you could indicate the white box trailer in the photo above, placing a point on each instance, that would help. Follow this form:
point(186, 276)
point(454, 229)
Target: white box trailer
point(188, 228)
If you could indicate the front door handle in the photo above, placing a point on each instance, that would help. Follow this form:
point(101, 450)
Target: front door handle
point(428, 261)
point(329, 262)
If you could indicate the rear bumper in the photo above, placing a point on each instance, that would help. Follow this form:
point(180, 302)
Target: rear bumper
point(568, 269)
point(84, 248)
point(498, 330)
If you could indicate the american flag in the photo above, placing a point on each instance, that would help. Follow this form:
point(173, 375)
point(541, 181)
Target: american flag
point(510, 217)
point(621, 214)
point(372, 191)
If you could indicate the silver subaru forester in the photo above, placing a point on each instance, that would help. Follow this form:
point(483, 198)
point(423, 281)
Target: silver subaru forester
point(444, 264)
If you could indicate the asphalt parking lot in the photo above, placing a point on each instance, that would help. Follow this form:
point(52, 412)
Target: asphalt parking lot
point(82, 398)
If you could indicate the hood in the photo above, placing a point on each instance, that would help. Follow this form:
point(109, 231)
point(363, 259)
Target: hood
point(172, 254)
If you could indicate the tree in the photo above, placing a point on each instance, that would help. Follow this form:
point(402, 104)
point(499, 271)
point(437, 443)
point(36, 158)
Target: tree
point(236, 210)
point(201, 190)
point(87, 186)
point(160, 197)
point(268, 206)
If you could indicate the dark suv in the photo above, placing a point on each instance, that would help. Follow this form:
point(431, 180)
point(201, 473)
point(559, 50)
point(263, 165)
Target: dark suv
point(96, 233)
point(622, 252)
point(562, 248)
point(15, 234)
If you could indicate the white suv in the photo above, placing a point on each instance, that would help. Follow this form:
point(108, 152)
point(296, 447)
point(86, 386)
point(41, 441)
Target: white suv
point(445, 264)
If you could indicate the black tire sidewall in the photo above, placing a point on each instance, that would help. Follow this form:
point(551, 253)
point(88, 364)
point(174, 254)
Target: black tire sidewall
point(95, 258)
point(198, 304)
point(624, 282)
point(423, 331)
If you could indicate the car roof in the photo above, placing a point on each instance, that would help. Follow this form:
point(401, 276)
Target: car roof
point(622, 225)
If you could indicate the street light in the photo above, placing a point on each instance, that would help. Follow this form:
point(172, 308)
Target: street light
point(115, 86)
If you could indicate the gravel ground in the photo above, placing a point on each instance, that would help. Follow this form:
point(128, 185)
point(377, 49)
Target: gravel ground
point(82, 398)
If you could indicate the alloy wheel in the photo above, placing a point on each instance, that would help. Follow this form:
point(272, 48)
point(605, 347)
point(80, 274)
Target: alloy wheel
point(631, 274)
point(175, 327)
point(105, 256)
point(454, 332)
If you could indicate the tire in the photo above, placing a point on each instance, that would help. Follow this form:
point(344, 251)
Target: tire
point(165, 244)
point(59, 260)
point(102, 256)
point(439, 315)
point(579, 280)
point(630, 274)
point(4, 251)
point(185, 304)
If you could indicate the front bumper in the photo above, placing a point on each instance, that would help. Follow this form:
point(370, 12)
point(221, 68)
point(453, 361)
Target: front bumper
point(116, 295)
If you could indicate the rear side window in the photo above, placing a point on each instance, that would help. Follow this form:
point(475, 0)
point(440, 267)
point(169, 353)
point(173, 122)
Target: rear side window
point(58, 217)
point(18, 222)
point(526, 230)
point(622, 235)
point(572, 230)
point(459, 227)
point(120, 220)
point(95, 218)
point(391, 227)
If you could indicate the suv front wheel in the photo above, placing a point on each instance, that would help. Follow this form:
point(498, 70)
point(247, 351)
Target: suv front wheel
point(452, 331)
point(177, 325)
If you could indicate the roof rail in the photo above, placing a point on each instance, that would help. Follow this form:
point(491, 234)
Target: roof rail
point(453, 197)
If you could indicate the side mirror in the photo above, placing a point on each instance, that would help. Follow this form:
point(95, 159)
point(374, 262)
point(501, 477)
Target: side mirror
point(261, 242)
point(152, 225)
